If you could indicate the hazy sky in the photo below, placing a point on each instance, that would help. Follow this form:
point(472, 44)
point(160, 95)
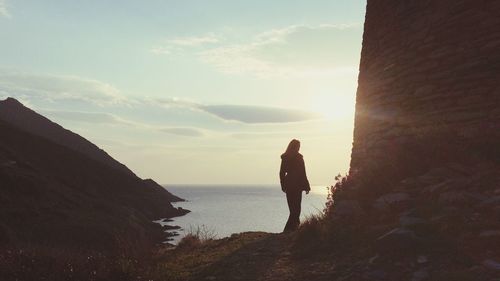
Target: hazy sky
point(192, 91)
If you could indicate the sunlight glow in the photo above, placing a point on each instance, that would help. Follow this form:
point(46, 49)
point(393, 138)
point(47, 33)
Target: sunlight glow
point(334, 107)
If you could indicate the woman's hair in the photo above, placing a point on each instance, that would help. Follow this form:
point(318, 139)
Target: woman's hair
point(293, 147)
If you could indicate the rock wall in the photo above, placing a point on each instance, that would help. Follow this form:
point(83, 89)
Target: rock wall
point(426, 66)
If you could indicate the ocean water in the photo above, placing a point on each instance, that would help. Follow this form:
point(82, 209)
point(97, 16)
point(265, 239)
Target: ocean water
point(226, 209)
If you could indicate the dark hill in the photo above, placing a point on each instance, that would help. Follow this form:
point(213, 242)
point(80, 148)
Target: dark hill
point(23, 118)
point(16, 114)
point(53, 195)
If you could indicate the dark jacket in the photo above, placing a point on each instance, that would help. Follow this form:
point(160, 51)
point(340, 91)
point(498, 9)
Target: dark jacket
point(293, 173)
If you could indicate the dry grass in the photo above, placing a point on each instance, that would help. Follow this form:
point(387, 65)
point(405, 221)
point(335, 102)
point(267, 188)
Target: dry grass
point(196, 236)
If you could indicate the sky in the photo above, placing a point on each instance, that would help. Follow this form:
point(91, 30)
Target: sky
point(192, 91)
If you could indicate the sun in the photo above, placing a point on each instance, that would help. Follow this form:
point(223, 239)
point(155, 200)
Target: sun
point(334, 107)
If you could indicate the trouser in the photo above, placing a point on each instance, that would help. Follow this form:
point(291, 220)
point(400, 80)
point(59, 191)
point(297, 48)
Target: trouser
point(293, 198)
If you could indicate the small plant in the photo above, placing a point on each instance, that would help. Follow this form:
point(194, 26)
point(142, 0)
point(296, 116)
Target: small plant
point(340, 184)
point(197, 236)
point(311, 229)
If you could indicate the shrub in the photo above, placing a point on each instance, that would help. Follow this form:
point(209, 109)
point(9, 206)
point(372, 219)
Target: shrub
point(196, 236)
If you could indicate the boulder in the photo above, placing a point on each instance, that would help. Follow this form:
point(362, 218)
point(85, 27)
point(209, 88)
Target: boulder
point(489, 239)
point(492, 264)
point(453, 198)
point(439, 187)
point(490, 233)
point(347, 208)
point(493, 201)
point(392, 201)
point(420, 275)
point(407, 221)
point(398, 240)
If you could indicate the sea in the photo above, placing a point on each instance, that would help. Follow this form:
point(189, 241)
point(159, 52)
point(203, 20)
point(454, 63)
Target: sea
point(221, 210)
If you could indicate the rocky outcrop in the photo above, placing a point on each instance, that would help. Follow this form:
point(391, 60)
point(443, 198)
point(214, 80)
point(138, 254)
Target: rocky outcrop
point(430, 226)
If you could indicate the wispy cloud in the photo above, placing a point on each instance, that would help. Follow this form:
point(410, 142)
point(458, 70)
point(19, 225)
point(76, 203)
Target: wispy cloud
point(184, 131)
point(93, 96)
point(179, 44)
point(259, 114)
point(89, 117)
point(297, 50)
point(102, 118)
point(57, 87)
point(251, 114)
point(4, 11)
point(160, 50)
point(194, 40)
point(322, 50)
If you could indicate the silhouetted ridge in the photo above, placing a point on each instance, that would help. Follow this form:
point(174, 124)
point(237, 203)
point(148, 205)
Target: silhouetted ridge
point(16, 114)
point(154, 185)
point(54, 195)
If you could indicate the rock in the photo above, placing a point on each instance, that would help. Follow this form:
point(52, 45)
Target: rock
point(398, 239)
point(492, 264)
point(490, 239)
point(420, 275)
point(490, 202)
point(422, 259)
point(428, 179)
point(452, 197)
point(464, 170)
point(490, 233)
point(170, 227)
point(407, 221)
point(438, 188)
point(397, 200)
point(476, 196)
point(347, 208)
point(373, 259)
point(171, 234)
point(377, 274)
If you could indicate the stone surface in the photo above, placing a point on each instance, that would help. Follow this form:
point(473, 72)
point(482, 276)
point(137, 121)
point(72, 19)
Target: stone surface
point(392, 200)
point(492, 264)
point(407, 221)
point(398, 239)
point(420, 275)
point(427, 67)
point(347, 208)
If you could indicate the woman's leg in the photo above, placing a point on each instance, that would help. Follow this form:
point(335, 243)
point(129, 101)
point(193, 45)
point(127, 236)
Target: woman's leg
point(293, 199)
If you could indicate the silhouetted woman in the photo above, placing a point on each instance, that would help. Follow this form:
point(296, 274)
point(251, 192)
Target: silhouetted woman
point(293, 181)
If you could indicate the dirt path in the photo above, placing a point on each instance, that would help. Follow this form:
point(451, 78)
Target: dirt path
point(268, 257)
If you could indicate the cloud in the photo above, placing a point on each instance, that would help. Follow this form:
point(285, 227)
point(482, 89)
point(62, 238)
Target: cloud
point(194, 40)
point(260, 135)
point(173, 102)
point(251, 114)
point(178, 44)
point(158, 50)
point(56, 88)
point(102, 118)
point(297, 50)
point(69, 90)
point(258, 114)
point(184, 131)
point(4, 11)
point(88, 117)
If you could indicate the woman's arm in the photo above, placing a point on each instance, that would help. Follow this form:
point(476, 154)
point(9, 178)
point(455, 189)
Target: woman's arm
point(282, 175)
point(307, 186)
